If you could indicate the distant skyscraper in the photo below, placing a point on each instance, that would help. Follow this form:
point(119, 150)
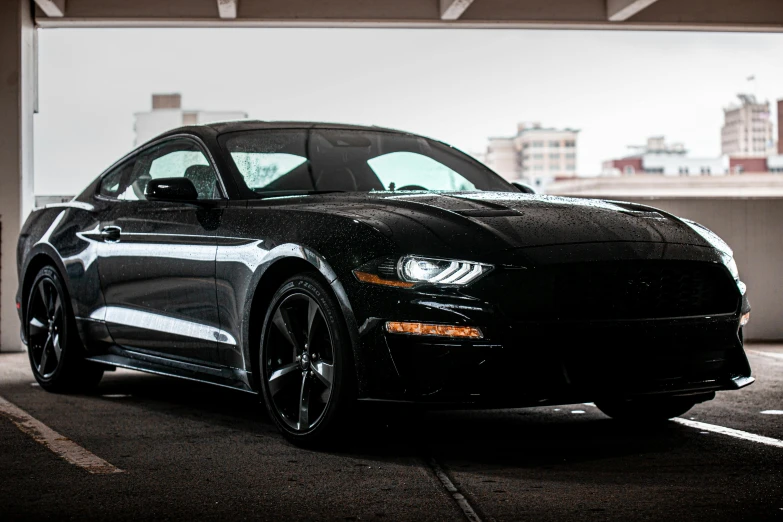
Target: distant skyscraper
point(167, 114)
point(535, 154)
point(747, 129)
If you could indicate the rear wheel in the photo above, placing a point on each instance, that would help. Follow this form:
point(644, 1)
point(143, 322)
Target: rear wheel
point(305, 361)
point(647, 410)
point(53, 345)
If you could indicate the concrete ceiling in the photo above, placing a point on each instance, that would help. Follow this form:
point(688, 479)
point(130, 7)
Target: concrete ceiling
point(689, 15)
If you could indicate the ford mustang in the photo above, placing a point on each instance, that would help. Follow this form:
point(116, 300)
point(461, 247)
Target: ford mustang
point(317, 265)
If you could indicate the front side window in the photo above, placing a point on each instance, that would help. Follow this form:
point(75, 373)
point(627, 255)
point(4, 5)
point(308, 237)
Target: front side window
point(277, 162)
point(112, 184)
point(177, 158)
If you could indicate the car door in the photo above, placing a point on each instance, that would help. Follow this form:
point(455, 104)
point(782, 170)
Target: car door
point(157, 259)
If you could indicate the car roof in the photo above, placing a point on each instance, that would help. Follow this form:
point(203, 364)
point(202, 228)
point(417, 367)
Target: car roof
point(213, 129)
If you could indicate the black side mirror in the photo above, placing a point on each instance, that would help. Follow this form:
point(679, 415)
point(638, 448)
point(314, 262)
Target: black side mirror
point(170, 189)
point(527, 189)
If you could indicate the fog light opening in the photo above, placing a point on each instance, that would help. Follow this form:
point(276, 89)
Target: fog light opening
point(438, 330)
point(745, 319)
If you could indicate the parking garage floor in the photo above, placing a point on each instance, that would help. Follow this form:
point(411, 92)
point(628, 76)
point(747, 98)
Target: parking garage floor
point(178, 450)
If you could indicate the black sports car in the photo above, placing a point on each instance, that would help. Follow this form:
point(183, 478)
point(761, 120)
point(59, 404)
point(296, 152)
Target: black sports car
point(317, 264)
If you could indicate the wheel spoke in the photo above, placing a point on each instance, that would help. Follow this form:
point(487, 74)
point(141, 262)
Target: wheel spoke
point(312, 311)
point(56, 345)
point(57, 307)
point(44, 297)
point(304, 403)
point(324, 371)
point(280, 378)
point(36, 327)
point(44, 356)
point(283, 323)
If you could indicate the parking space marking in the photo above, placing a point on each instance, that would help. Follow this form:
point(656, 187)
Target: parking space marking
point(731, 432)
point(455, 493)
point(60, 445)
point(773, 355)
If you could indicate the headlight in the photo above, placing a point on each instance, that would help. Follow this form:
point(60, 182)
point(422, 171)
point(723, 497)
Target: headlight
point(411, 270)
point(732, 266)
point(439, 271)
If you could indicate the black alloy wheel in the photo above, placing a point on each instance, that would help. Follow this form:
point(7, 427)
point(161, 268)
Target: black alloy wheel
point(55, 358)
point(46, 327)
point(303, 359)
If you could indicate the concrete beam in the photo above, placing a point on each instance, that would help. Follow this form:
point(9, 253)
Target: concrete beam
point(453, 9)
point(622, 10)
point(55, 8)
point(17, 100)
point(227, 8)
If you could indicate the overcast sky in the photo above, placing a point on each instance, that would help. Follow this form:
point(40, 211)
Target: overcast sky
point(460, 86)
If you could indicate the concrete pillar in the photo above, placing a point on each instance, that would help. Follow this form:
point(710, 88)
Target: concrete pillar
point(17, 100)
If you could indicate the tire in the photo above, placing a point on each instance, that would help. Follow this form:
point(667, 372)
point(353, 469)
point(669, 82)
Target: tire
point(306, 367)
point(53, 345)
point(648, 410)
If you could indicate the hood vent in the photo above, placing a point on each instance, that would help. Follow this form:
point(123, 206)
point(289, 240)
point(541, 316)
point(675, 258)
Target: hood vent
point(643, 213)
point(488, 212)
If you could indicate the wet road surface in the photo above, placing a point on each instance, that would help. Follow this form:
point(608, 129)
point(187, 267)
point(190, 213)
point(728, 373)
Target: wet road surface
point(188, 450)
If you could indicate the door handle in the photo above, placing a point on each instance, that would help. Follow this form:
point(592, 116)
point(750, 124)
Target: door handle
point(111, 234)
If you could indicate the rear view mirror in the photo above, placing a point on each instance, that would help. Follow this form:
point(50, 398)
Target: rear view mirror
point(527, 189)
point(170, 189)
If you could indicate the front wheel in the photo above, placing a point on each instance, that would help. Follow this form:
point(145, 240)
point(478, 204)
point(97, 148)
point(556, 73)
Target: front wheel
point(646, 410)
point(53, 345)
point(305, 361)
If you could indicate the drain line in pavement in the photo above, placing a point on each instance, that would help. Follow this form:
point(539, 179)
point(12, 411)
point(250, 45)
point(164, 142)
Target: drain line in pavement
point(455, 493)
point(60, 445)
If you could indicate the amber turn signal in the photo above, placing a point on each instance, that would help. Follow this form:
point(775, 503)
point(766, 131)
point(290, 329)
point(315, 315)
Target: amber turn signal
point(440, 330)
point(745, 319)
point(365, 277)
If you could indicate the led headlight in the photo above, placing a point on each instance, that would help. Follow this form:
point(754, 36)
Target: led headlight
point(416, 269)
point(732, 266)
point(411, 270)
point(727, 254)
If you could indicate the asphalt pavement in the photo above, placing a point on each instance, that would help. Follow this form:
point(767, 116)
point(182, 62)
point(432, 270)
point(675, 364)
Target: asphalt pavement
point(181, 450)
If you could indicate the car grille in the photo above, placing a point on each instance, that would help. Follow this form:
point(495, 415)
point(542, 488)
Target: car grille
point(616, 290)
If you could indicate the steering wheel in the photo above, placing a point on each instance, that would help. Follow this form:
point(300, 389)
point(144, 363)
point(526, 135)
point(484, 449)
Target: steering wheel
point(412, 187)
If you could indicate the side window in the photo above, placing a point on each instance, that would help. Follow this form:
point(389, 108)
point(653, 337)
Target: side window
point(113, 183)
point(178, 158)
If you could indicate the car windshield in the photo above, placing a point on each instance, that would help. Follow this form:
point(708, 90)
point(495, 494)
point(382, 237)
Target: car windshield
point(273, 162)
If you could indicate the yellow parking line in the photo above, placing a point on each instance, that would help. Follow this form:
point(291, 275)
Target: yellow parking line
point(61, 446)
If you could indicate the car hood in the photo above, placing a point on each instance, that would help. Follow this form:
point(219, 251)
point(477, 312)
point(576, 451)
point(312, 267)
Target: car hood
point(482, 221)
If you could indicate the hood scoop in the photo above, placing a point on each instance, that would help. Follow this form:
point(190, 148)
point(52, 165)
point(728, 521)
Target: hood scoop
point(488, 212)
point(643, 213)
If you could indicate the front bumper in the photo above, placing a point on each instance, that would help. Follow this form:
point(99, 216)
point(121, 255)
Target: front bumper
point(528, 362)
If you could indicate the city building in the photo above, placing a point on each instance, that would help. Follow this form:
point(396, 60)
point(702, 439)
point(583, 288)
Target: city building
point(747, 129)
point(780, 126)
point(167, 113)
point(659, 157)
point(535, 154)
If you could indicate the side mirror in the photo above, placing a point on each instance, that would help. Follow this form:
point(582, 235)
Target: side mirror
point(170, 189)
point(527, 189)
